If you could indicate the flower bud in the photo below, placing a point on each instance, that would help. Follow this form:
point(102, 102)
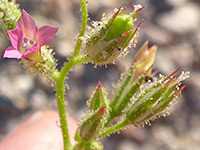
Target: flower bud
point(154, 99)
point(91, 126)
point(143, 60)
point(142, 65)
point(111, 37)
point(123, 96)
point(99, 99)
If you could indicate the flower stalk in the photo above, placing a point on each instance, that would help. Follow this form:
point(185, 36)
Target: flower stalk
point(114, 128)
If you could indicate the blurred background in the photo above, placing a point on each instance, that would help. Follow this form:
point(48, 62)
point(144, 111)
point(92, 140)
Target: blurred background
point(173, 25)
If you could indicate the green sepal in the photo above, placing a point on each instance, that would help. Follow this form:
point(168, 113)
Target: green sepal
point(92, 125)
point(101, 34)
point(164, 103)
point(124, 96)
point(45, 67)
point(110, 38)
point(144, 103)
point(160, 106)
point(99, 99)
point(123, 85)
point(152, 88)
point(104, 52)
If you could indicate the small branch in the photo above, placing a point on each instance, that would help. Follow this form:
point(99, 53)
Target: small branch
point(109, 120)
point(72, 62)
point(67, 67)
point(114, 128)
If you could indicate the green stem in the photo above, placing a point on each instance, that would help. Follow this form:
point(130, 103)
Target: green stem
point(114, 128)
point(59, 77)
point(83, 27)
point(109, 121)
point(73, 61)
point(60, 89)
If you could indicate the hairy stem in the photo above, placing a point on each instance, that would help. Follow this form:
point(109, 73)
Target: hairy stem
point(73, 61)
point(109, 120)
point(114, 128)
point(83, 27)
point(59, 77)
point(60, 89)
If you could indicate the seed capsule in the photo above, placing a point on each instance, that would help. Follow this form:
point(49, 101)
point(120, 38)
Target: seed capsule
point(111, 37)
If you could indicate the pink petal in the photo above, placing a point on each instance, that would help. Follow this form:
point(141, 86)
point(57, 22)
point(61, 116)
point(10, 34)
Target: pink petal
point(11, 52)
point(15, 37)
point(46, 34)
point(27, 25)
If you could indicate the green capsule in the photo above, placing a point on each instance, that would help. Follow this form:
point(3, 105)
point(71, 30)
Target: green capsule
point(116, 29)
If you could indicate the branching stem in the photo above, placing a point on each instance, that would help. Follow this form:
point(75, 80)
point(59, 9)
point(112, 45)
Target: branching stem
point(59, 78)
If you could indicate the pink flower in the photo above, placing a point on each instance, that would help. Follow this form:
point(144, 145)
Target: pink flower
point(27, 40)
